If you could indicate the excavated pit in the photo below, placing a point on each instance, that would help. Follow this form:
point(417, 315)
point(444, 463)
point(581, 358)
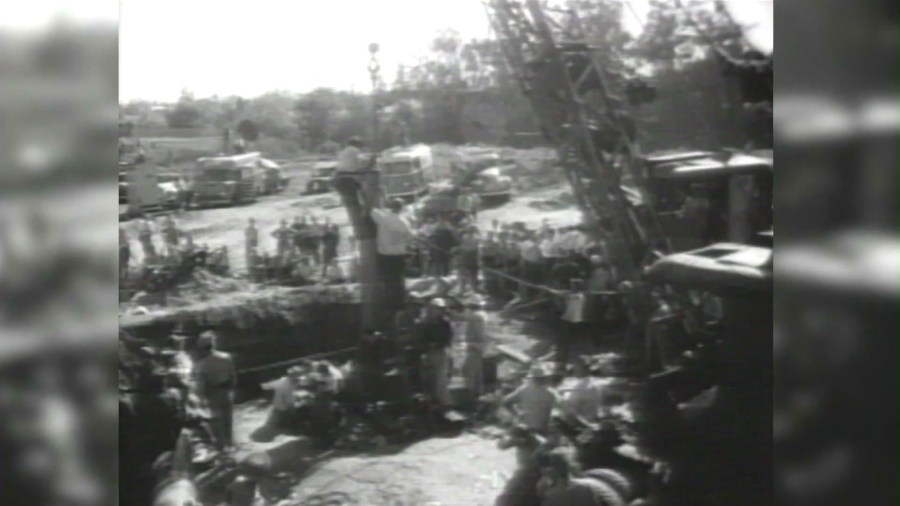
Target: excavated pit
point(262, 330)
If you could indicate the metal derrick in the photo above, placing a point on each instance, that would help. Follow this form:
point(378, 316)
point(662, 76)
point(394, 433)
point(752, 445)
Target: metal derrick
point(573, 98)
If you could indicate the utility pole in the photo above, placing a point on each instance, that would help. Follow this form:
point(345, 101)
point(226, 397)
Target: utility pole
point(370, 187)
point(374, 70)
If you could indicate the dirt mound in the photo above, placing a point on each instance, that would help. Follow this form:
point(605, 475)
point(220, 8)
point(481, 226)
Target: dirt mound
point(215, 299)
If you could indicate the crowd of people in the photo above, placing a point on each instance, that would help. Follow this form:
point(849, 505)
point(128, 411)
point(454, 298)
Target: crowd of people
point(544, 256)
point(306, 251)
point(163, 266)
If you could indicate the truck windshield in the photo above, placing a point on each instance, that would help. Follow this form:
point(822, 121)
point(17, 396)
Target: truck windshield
point(220, 174)
point(399, 168)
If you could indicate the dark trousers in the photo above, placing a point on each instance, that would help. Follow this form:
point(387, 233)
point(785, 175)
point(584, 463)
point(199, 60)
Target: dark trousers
point(440, 264)
point(351, 195)
point(392, 283)
point(187, 198)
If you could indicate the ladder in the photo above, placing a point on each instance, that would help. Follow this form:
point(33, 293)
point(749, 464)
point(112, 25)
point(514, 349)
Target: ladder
point(571, 94)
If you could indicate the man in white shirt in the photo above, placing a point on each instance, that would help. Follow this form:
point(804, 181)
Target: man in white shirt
point(586, 400)
point(392, 235)
point(573, 240)
point(351, 164)
point(351, 158)
point(533, 402)
point(531, 260)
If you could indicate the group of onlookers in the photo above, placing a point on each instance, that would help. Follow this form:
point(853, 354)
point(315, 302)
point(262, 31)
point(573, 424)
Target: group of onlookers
point(306, 251)
point(177, 256)
point(514, 258)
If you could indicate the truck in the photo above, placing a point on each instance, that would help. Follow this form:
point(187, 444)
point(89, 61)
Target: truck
point(139, 190)
point(406, 172)
point(233, 180)
point(322, 174)
point(703, 197)
point(274, 180)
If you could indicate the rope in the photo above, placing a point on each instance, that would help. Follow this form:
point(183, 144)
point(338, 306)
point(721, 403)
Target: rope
point(295, 360)
point(539, 287)
point(543, 288)
point(634, 14)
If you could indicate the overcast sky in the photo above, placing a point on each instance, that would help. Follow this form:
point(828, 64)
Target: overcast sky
point(246, 48)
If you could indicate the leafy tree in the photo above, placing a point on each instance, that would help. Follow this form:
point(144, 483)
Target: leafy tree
point(315, 114)
point(183, 115)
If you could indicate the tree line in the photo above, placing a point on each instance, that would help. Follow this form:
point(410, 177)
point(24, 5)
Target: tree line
point(462, 91)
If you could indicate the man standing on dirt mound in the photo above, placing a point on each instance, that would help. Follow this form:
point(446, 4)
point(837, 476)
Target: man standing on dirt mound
point(215, 377)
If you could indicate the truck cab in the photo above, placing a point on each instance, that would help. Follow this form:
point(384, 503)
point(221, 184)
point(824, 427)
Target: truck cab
point(231, 180)
point(274, 180)
point(406, 173)
point(139, 191)
point(322, 174)
point(705, 198)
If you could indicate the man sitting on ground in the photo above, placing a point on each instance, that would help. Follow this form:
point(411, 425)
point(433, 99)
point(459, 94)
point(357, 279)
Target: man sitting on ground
point(586, 399)
point(283, 416)
point(534, 401)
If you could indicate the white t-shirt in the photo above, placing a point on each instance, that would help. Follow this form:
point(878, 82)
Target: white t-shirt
point(535, 403)
point(283, 400)
point(530, 251)
point(393, 232)
point(585, 399)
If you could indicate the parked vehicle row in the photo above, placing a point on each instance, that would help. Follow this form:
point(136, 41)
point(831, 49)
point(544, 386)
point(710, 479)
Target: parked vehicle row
point(229, 180)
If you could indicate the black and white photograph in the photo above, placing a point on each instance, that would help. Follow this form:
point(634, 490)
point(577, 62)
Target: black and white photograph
point(445, 253)
point(449, 253)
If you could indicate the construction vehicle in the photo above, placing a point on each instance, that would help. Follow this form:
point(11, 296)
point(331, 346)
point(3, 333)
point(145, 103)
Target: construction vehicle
point(727, 360)
point(406, 172)
point(637, 201)
point(233, 180)
point(574, 100)
point(702, 198)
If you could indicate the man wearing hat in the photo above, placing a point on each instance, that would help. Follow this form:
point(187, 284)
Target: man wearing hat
point(351, 158)
point(534, 401)
point(215, 377)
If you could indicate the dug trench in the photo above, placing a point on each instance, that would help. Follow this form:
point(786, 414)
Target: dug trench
point(264, 346)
